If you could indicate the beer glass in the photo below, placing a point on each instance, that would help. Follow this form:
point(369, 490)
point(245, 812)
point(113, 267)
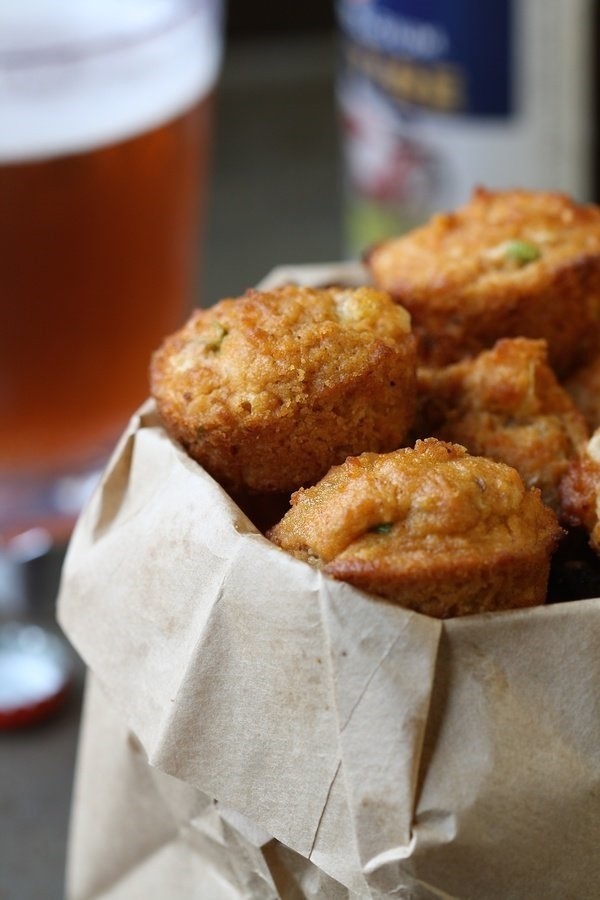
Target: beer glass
point(105, 111)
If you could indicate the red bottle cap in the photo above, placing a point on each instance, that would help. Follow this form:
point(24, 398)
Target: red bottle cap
point(35, 674)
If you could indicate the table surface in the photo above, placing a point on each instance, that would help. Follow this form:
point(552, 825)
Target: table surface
point(275, 198)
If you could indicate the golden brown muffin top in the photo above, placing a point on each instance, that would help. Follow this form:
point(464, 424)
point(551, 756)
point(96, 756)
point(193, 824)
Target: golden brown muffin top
point(424, 504)
point(506, 403)
point(520, 236)
point(269, 351)
point(513, 379)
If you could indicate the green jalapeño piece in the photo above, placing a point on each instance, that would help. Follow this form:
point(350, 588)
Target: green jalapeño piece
point(521, 252)
point(215, 344)
point(382, 528)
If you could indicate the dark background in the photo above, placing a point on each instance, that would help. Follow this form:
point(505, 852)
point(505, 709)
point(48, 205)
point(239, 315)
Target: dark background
point(266, 17)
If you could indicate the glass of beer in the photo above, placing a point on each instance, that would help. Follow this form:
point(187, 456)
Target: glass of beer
point(105, 111)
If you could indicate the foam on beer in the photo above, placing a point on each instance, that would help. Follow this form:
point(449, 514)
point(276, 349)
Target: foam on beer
point(79, 76)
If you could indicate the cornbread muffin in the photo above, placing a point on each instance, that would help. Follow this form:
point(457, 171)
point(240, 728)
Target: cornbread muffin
point(431, 528)
point(584, 387)
point(269, 390)
point(580, 491)
point(507, 264)
point(507, 404)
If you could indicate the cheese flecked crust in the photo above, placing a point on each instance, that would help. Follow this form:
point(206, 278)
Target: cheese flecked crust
point(269, 390)
point(507, 264)
point(431, 528)
point(506, 403)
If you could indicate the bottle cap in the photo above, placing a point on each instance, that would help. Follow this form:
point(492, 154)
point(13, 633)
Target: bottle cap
point(35, 674)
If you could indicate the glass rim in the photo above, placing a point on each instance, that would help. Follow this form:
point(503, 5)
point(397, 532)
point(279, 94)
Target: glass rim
point(72, 52)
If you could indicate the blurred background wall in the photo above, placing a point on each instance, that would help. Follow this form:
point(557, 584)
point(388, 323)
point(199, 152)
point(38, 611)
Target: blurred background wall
point(275, 195)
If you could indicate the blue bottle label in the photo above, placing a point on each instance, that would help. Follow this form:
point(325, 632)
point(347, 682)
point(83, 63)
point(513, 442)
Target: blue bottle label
point(449, 57)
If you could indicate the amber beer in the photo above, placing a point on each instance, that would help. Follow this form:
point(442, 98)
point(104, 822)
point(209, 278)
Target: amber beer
point(99, 238)
point(97, 255)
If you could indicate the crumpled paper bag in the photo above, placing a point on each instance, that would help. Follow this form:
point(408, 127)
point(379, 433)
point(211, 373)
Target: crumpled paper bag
point(256, 729)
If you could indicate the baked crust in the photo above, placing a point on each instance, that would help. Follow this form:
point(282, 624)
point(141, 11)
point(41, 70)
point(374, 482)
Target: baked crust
point(269, 390)
point(507, 404)
point(507, 264)
point(580, 491)
point(431, 528)
point(583, 386)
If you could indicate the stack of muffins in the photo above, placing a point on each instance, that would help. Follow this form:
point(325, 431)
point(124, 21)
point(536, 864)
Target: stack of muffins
point(433, 428)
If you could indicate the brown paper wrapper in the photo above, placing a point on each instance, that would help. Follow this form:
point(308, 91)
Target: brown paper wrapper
point(254, 729)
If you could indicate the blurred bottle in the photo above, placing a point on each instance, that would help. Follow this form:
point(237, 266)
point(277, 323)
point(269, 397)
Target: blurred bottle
point(104, 135)
point(436, 97)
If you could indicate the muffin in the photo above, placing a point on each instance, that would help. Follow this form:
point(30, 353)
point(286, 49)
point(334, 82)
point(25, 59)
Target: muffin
point(507, 404)
point(583, 386)
point(580, 491)
point(507, 264)
point(431, 528)
point(269, 390)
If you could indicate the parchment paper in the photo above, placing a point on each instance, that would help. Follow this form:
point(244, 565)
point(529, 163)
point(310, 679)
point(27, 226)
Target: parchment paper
point(348, 743)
